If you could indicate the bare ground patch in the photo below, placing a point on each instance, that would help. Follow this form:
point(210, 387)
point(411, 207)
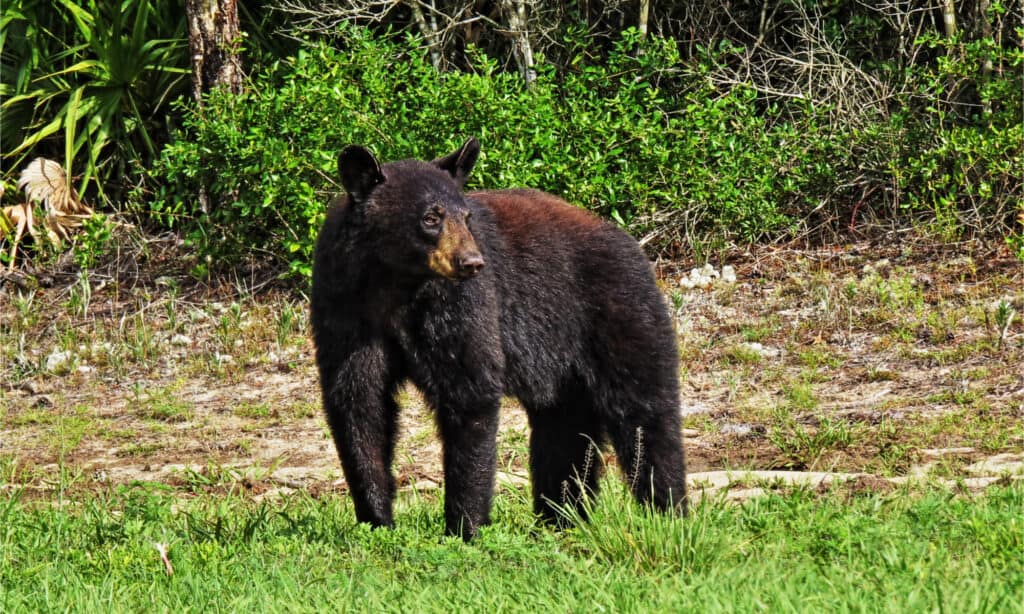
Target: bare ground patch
point(885, 365)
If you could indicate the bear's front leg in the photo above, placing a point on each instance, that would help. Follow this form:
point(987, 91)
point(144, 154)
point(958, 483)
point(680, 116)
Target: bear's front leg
point(358, 395)
point(470, 462)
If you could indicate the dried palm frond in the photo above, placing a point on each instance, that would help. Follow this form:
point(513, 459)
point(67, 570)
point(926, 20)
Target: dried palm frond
point(15, 222)
point(45, 181)
point(59, 228)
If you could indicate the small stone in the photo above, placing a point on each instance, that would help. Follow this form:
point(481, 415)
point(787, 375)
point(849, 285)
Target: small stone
point(766, 352)
point(57, 360)
point(740, 430)
point(181, 340)
point(728, 274)
point(689, 409)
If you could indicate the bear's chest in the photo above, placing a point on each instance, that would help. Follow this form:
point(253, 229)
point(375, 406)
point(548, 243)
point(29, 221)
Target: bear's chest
point(436, 324)
point(450, 339)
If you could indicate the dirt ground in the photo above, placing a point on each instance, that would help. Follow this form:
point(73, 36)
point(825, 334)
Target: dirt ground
point(874, 365)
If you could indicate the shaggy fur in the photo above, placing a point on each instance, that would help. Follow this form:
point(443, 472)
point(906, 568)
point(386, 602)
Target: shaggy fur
point(474, 296)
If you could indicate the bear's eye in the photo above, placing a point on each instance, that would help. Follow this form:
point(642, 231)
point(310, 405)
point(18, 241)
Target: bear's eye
point(432, 218)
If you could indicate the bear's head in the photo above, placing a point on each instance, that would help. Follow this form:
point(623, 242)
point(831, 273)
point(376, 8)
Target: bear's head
point(415, 212)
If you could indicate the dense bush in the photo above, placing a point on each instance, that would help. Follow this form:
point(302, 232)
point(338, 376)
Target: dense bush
point(962, 163)
point(603, 137)
point(680, 163)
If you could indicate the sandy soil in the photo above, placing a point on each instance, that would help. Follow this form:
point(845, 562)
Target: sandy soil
point(866, 365)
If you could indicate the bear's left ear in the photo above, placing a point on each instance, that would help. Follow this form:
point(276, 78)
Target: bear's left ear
point(360, 172)
point(459, 163)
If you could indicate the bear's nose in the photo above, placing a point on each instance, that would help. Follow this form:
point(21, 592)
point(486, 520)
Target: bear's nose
point(470, 264)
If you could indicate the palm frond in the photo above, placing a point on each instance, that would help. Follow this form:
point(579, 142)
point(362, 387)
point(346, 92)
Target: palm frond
point(45, 181)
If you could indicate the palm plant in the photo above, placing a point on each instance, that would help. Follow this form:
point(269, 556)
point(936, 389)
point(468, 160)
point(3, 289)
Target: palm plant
point(90, 81)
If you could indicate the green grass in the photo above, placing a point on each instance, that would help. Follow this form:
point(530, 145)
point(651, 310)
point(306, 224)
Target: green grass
point(909, 551)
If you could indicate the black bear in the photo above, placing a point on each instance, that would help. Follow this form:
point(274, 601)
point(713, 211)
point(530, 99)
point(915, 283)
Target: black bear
point(474, 296)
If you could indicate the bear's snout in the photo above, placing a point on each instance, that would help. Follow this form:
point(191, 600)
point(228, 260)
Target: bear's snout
point(469, 263)
point(456, 255)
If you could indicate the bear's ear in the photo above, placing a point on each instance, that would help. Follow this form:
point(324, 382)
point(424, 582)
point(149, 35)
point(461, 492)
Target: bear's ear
point(360, 172)
point(459, 163)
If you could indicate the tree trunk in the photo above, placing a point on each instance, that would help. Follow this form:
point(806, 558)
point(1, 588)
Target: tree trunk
point(429, 31)
point(213, 38)
point(986, 32)
point(949, 17)
point(645, 11)
point(521, 49)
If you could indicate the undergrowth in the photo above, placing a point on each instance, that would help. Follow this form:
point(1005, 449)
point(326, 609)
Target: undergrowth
point(922, 550)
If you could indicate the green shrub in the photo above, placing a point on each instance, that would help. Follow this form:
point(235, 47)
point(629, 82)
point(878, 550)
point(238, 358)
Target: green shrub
point(961, 163)
point(91, 80)
point(641, 136)
point(604, 137)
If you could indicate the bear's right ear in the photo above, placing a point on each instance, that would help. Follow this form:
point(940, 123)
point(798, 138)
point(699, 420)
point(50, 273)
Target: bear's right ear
point(360, 172)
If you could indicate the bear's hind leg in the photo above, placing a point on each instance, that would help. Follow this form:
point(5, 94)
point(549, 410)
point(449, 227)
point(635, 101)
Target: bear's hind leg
point(650, 452)
point(565, 458)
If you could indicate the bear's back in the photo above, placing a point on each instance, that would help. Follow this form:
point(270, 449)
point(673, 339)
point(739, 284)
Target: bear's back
point(575, 290)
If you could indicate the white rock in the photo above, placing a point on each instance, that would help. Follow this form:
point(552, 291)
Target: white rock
point(740, 430)
point(760, 349)
point(700, 279)
point(689, 408)
point(57, 360)
point(706, 275)
point(181, 340)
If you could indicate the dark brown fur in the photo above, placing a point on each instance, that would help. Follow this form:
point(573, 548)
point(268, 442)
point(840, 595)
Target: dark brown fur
point(514, 293)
